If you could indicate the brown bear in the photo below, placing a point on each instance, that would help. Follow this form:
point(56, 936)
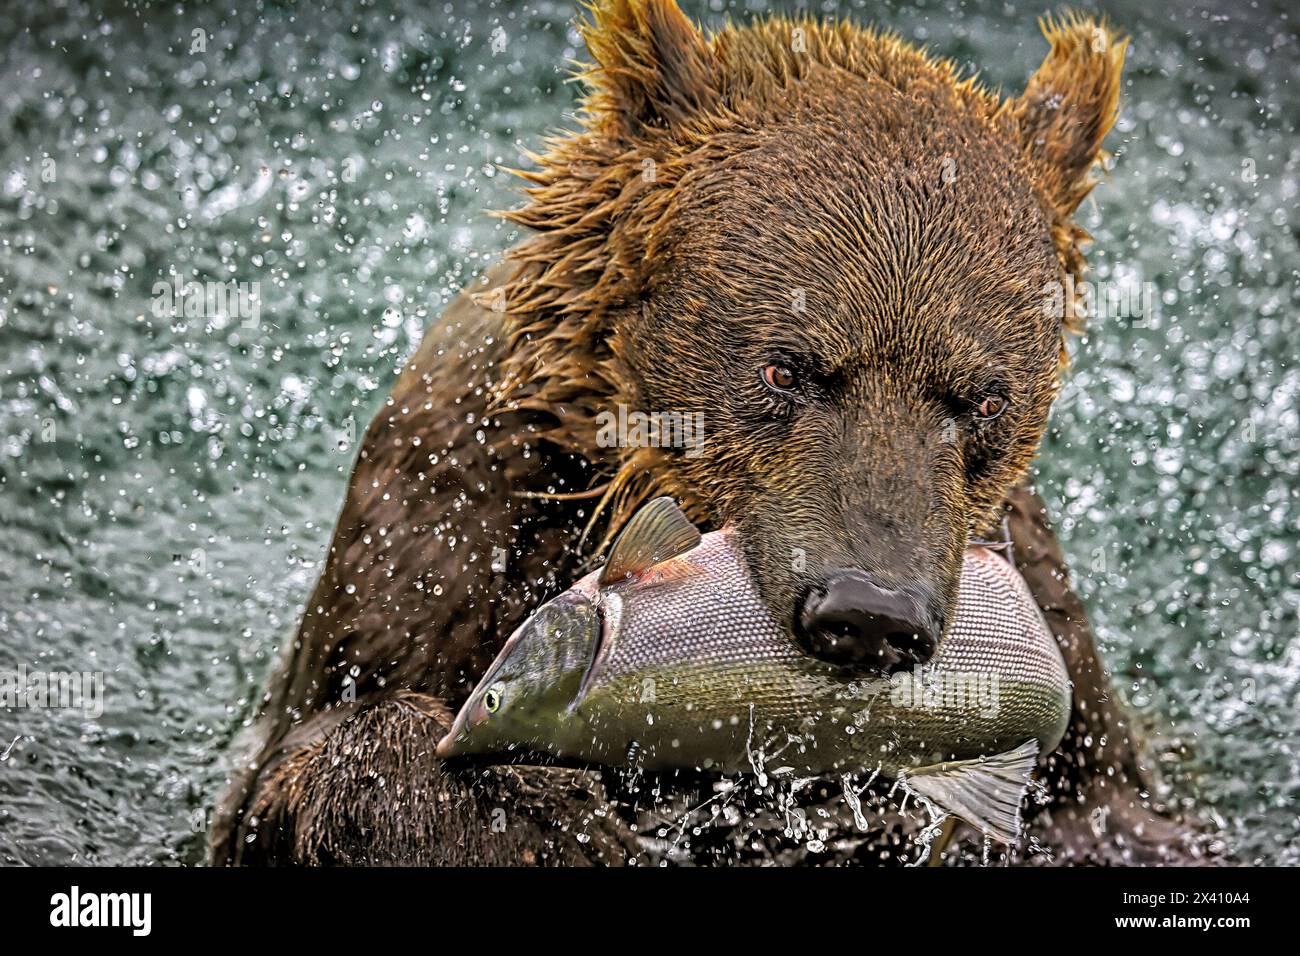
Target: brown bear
point(831, 251)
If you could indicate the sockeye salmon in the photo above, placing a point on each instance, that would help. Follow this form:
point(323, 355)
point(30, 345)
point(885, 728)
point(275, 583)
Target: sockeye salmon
point(668, 658)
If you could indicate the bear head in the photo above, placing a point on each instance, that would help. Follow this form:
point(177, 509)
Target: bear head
point(820, 265)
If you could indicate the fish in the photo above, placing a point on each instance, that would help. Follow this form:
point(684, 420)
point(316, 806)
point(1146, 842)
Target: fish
point(667, 658)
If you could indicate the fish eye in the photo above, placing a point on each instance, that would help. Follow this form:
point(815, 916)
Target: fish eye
point(492, 700)
point(779, 377)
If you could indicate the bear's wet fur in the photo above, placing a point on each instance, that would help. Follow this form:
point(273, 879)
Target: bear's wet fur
point(815, 197)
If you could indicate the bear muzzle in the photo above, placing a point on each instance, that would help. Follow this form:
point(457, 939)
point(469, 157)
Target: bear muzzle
point(850, 620)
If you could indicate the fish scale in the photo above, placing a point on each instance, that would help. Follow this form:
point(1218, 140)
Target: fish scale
point(698, 634)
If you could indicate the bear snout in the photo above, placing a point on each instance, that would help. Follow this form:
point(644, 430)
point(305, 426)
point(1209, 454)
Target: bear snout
point(848, 619)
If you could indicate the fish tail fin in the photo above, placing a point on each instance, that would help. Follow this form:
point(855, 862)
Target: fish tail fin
point(986, 792)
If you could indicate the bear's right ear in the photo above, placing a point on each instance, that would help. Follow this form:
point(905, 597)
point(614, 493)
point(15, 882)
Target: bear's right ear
point(653, 66)
point(1069, 106)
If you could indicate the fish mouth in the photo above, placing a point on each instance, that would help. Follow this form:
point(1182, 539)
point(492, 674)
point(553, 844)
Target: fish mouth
point(572, 653)
point(456, 742)
point(449, 745)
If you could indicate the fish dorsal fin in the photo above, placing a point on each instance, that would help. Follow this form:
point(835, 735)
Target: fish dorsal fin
point(985, 792)
point(657, 532)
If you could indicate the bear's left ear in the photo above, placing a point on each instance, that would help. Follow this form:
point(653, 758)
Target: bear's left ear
point(653, 66)
point(1069, 106)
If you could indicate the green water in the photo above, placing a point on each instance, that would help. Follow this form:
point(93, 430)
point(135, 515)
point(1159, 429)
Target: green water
point(168, 485)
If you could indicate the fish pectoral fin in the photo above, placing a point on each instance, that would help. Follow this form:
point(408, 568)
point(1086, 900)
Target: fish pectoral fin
point(985, 792)
point(657, 532)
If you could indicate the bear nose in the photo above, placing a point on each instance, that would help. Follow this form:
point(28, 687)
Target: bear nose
point(849, 620)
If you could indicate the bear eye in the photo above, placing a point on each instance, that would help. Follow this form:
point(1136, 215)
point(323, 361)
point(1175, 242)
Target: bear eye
point(779, 377)
point(990, 407)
